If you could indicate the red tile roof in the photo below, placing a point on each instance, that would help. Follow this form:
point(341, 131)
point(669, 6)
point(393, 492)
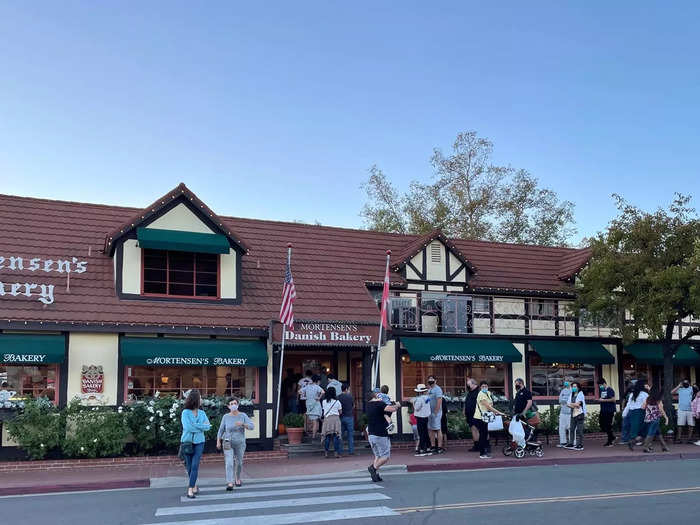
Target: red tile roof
point(330, 266)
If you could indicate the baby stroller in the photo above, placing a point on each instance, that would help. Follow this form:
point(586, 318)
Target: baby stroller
point(522, 444)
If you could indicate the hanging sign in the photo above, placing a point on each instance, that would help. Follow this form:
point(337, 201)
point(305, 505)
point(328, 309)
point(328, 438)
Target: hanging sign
point(92, 379)
point(324, 333)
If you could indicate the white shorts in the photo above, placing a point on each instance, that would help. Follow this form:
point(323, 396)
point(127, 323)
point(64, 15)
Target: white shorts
point(685, 418)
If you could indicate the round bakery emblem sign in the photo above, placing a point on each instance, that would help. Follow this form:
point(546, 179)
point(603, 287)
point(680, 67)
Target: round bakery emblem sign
point(92, 379)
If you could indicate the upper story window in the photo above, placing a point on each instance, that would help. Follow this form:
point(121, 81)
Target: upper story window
point(181, 274)
point(543, 307)
point(436, 252)
point(480, 305)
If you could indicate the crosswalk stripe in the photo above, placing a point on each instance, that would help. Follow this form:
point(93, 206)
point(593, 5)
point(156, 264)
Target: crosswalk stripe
point(296, 517)
point(269, 504)
point(281, 492)
point(324, 482)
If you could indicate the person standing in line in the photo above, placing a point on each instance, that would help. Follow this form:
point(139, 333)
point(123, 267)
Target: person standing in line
point(469, 409)
point(484, 408)
point(685, 413)
point(301, 404)
point(634, 419)
point(194, 424)
point(523, 399)
point(653, 412)
point(564, 414)
point(435, 419)
point(347, 419)
point(314, 410)
point(232, 435)
point(376, 411)
point(333, 382)
point(607, 411)
point(331, 422)
point(421, 409)
point(577, 404)
point(5, 393)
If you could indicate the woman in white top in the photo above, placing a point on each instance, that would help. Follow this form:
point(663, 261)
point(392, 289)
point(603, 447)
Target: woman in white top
point(331, 421)
point(421, 410)
point(633, 414)
point(578, 417)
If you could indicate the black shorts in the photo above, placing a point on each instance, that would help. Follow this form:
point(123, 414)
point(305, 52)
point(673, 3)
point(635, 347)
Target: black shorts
point(301, 407)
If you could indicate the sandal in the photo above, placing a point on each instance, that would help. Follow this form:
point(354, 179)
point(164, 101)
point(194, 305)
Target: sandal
point(239, 483)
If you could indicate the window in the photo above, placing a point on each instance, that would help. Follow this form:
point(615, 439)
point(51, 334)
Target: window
point(546, 380)
point(451, 377)
point(31, 380)
point(143, 381)
point(631, 370)
point(542, 307)
point(436, 252)
point(480, 305)
point(403, 312)
point(180, 274)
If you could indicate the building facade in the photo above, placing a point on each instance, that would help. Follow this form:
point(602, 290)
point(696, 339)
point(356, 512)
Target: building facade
point(111, 304)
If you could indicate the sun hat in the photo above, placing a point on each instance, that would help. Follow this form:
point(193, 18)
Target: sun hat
point(421, 388)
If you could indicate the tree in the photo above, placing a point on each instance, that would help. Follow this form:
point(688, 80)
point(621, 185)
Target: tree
point(644, 276)
point(470, 198)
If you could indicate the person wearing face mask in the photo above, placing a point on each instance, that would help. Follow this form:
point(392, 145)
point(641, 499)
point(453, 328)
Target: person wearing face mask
point(435, 418)
point(633, 414)
point(523, 399)
point(685, 414)
point(232, 434)
point(484, 411)
point(564, 413)
point(577, 404)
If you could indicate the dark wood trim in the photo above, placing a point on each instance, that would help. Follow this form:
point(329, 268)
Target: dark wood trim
point(399, 382)
point(526, 360)
point(262, 394)
point(492, 319)
point(556, 317)
point(504, 292)
point(425, 263)
point(527, 316)
point(276, 349)
point(459, 269)
point(420, 275)
point(63, 373)
point(516, 338)
point(121, 394)
point(176, 299)
point(447, 262)
point(366, 377)
point(129, 328)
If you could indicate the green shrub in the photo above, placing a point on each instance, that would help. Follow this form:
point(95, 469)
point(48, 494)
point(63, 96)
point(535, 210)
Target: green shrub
point(94, 431)
point(592, 422)
point(457, 425)
point(549, 419)
point(38, 428)
point(293, 420)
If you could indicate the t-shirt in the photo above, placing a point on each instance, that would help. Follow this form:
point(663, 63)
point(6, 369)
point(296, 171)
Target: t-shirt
point(435, 393)
point(347, 403)
point(335, 384)
point(685, 397)
point(376, 424)
point(578, 397)
point(481, 400)
point(385, 397)
point(421, 406)
point(564, 397)
point(633, 404)
point(303, 383)
point(470, 403)
point(521, 399)
point(607, 408)
point(331, 407)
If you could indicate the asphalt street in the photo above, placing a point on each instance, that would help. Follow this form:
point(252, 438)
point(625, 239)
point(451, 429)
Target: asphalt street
point(660, 491)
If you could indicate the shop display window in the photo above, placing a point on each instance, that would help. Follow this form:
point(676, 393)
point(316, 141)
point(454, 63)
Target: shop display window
point(144, 381)
point(451, 377)
point(31, 381)
point(546, 380)
point(180, 274)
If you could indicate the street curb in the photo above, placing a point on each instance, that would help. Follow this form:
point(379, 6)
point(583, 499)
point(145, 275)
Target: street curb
point(75, 487)
point(527, 462)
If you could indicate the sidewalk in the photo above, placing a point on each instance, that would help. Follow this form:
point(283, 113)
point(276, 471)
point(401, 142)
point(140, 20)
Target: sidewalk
point(212, 470)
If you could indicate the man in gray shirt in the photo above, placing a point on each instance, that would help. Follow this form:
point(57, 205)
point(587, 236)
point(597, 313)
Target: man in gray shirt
point(565, 414)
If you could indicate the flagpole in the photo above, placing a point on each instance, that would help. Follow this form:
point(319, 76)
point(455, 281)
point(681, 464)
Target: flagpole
point(284, 333)
point(375, 378)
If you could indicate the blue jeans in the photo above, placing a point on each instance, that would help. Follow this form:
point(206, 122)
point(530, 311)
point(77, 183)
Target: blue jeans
point(653, 428)
point(192, 463)
point(632, 424)
point(347, 424)
point(336, 442)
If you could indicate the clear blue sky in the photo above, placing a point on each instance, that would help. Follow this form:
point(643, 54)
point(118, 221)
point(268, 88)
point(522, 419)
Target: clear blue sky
point(276, 110)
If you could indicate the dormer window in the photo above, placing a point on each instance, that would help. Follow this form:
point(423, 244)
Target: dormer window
point(180, 274)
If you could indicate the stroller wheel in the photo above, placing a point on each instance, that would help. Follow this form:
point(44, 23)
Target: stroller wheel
point(539, 452)
point(519, 452)
point(507, 450)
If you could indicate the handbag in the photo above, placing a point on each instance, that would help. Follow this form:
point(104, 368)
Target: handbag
point(186, 449)
point(534, 420)
point(488, 416)
point(496, 424)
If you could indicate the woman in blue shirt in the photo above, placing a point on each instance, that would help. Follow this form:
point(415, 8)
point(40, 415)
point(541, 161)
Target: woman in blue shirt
point(194, 424)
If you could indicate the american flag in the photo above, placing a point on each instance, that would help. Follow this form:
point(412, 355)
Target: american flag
point(385, 298)
point(289, 293)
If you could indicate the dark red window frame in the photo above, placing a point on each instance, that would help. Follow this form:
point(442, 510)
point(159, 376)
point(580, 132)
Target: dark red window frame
point(194, 277)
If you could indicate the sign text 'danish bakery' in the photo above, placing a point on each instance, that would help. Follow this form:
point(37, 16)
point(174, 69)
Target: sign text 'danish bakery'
point(320, 333)
point(37, 265)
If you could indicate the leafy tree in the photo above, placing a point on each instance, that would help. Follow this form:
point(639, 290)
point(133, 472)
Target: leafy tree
point(470, 198)
point(644, 276)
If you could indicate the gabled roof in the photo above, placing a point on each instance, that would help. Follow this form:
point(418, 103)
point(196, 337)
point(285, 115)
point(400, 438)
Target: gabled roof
point(573, 263)
point(180, 193)
point(414, 247)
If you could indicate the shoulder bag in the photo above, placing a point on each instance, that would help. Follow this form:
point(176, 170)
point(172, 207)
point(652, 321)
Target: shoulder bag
point(186, 449)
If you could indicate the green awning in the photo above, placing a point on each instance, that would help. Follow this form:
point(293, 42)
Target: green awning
point(182, 241)
point(652, 353)
point(30, 349)
point(464, 350)
point(586, 352)
point(166, 351)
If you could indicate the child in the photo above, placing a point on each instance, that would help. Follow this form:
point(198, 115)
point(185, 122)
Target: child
point(414, 426)
point(384, 396)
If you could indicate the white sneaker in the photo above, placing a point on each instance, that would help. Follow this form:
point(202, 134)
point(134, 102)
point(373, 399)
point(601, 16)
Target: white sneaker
point(561, 445)
point(697, 443)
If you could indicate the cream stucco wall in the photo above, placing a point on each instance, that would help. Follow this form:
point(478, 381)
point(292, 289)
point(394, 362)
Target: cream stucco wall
point(180, 218)
point(93, 349)
point(435, 271)
point(416, 261)
point(387, 373)
point(131, 267)
point(518, 369)
point(509, 326)
point(228, 275)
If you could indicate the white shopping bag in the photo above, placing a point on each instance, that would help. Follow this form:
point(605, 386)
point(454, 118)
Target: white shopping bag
point(518, 432)
point(496, 424)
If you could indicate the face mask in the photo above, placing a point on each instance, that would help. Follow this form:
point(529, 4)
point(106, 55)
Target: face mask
point(566, 384)
point(685, 384)
point(574, 389)
point(485, 389)
point(603, 387)
point(233, 406)
point(431, 382)
point(518, 387)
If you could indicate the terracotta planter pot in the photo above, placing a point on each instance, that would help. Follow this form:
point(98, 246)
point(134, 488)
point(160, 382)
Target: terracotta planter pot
point(281, 429)
point(294, 435)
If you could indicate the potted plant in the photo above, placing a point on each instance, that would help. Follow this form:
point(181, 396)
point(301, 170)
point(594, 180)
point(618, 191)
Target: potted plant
point(295, 427)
